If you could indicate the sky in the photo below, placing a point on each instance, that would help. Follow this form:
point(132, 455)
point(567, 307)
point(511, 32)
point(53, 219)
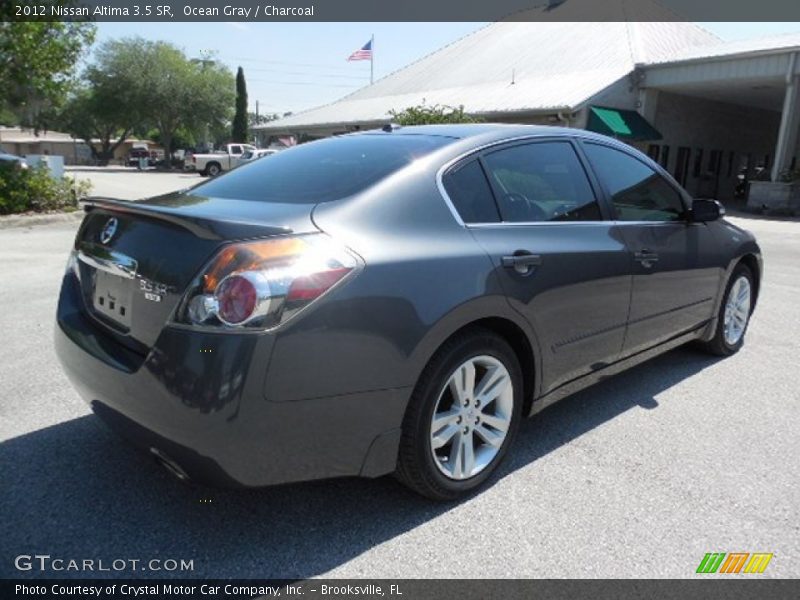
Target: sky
point(296, 66)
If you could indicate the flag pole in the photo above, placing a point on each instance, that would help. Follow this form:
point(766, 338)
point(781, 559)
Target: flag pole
point(372, 60)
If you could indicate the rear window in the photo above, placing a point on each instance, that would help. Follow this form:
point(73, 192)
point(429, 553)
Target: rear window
point(322, 171)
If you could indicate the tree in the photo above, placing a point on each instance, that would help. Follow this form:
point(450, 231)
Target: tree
point(107, 106)
point(260, 119)
point(239, 130)
point(37, 62)
point(169, 91)
point(179, 93)
point(424, 114)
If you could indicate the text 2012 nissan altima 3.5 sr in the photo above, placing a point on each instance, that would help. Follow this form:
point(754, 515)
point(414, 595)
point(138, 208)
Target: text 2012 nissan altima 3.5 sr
point(391, 301)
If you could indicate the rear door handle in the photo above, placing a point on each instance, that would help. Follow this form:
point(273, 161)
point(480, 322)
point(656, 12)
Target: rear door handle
point(646, 258)
point(522, 261)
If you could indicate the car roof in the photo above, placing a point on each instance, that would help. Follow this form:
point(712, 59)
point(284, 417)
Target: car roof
point(481, 132)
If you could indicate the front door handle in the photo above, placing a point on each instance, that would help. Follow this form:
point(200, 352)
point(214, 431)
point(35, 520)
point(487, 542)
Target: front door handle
point(646, 258)
point(522, 261)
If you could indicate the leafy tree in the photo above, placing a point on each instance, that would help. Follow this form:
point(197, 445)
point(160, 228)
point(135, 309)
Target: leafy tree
point(37, 62)
point(170, 92)
point(239, 132)
point(424, 114)
point(260, 119)
point(108, 104)
point(91, 114)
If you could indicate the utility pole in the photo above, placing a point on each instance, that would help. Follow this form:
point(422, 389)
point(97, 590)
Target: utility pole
point(205, 60)
point(256, 124)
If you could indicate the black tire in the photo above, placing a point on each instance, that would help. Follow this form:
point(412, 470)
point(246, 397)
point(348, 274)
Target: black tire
point(203, 173)
point(213, 169)
point(718, 345)
point(415, 465)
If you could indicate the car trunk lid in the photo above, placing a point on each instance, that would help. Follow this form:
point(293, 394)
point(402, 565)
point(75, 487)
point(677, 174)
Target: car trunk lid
point(135, 260)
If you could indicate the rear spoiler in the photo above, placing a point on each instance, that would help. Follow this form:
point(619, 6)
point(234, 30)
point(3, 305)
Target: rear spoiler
point(208, 229)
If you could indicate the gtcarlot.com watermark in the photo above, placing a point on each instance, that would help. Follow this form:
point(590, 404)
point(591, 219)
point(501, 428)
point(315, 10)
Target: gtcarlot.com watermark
point(46, 563)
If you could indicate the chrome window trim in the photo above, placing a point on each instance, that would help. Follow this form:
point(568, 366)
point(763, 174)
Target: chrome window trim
point(584, 223)
point(474, 151)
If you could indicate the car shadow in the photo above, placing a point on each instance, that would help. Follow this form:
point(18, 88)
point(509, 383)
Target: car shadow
point(75, 491)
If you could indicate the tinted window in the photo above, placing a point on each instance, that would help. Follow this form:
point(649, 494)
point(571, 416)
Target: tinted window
point(637, 191)
point(541, 182)
point(322, 171)
point(471, 195)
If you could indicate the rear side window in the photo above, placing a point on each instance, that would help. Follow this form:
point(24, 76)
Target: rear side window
point(543, 181)
point(637, 191)
point(322, 171)
point(471, 195)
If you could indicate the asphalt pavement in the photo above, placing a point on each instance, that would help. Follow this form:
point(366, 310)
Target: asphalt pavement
point(639, 476)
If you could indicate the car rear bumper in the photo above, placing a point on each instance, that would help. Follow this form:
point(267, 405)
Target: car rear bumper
point(197, 400)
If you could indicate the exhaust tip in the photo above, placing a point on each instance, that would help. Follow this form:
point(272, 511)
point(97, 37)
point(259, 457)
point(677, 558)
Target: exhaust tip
point(169, 464)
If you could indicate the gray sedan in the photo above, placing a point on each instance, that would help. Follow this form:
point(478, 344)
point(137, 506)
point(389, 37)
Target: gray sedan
point(391, 301)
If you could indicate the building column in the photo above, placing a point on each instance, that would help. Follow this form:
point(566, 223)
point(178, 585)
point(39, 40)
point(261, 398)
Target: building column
point(647, 104)
point(790, 121)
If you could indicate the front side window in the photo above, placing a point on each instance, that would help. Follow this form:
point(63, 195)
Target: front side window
point(542, 181)
point(637, 192)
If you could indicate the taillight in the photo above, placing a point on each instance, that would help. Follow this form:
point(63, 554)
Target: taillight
point(259, 285)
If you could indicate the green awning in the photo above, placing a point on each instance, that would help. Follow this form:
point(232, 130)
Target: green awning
point(622, 124)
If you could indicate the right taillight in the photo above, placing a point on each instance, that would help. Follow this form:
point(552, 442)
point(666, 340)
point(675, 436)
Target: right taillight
point(258, 285)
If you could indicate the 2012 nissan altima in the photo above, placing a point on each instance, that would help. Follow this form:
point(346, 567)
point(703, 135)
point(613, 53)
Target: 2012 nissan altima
point(391, 301)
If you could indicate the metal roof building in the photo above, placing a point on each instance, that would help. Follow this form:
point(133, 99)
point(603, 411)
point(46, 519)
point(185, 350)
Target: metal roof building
point(707, 108)
point(514, 69)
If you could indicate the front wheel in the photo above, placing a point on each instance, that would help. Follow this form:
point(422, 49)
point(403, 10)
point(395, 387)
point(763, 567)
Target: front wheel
point(734, 314)
point(462, 416)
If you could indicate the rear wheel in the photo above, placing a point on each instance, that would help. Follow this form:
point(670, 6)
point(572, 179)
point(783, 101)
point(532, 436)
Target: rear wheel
point(734, 314)
point(462, 416)
point(213, 169)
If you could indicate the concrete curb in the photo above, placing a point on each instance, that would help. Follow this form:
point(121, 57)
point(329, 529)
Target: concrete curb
point(11, 221)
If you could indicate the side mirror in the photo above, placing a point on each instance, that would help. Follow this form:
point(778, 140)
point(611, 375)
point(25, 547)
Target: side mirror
point(705, 210)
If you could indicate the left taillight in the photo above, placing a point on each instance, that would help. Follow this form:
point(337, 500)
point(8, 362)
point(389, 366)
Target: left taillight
point(254, 286)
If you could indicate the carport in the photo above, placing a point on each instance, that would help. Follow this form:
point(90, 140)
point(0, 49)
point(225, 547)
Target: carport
point(736, 106)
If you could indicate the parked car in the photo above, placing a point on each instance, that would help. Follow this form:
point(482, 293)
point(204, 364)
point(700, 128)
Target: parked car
point(216, 163)
point(136, 154)
point(252, 155)
point(391, 301)
point(13, 160)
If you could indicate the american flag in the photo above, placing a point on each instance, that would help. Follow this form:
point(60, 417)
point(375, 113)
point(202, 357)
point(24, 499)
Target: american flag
point(364, 53)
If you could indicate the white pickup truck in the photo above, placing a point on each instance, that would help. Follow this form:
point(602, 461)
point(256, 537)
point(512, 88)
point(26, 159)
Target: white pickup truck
point(215, 163)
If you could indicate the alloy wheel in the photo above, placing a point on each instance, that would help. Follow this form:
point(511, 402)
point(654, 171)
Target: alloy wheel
point(737, 311)
point(472, 417)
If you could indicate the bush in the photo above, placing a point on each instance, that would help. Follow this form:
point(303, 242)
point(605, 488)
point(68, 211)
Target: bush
point(426, 114)
point(23, 190)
